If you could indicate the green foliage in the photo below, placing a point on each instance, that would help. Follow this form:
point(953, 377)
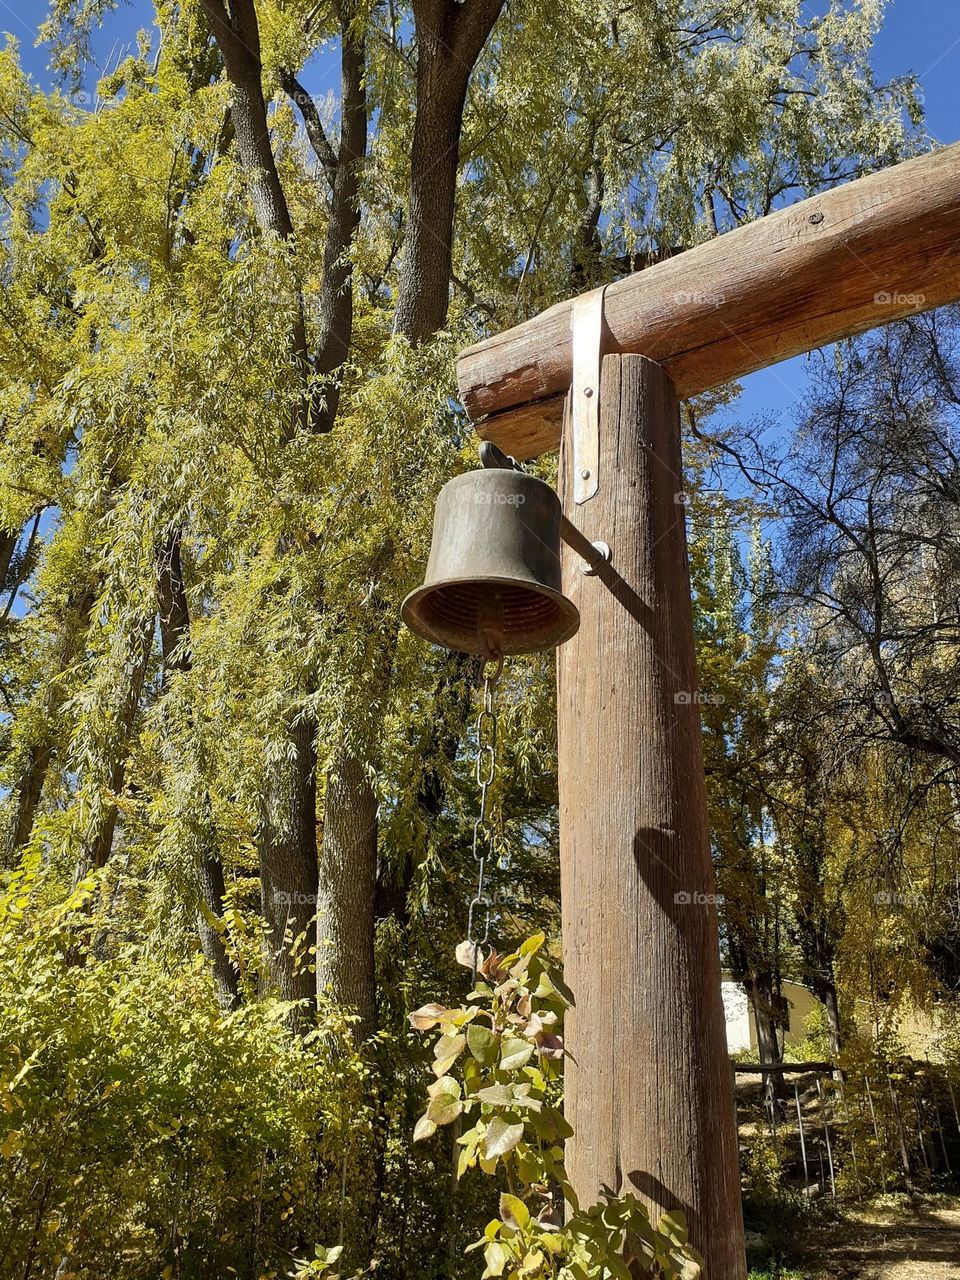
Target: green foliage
point(142, 1124)
point(506, 1049)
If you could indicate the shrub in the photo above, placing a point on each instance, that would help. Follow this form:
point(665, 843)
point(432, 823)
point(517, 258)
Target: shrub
point(145, 1132)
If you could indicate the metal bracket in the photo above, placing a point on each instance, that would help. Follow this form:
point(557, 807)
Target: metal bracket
point(586, 322)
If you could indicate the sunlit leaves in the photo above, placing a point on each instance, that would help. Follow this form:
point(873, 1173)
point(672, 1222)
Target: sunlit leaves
point(518, 1127)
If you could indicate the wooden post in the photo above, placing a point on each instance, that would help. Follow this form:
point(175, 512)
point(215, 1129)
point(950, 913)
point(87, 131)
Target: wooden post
point(803, 1140)
point(648, 1084)
point(826, 1134)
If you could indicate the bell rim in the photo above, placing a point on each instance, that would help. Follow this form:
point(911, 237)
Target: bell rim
point(569, 613)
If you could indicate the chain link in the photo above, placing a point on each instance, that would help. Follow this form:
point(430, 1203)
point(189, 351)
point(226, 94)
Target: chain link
point(481, 905)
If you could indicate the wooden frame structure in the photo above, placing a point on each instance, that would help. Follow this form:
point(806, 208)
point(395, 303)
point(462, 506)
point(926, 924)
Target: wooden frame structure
point(858, 256)
point(649, 1088)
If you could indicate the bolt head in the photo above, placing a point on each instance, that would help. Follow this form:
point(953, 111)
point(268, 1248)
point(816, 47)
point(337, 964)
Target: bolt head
point(585, 474)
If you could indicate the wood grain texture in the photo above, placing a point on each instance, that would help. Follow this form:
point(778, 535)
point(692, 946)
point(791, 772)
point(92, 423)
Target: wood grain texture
point(648, 1085)
point(861, 255)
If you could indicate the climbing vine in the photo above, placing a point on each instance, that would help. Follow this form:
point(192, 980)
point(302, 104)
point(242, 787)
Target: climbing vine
point(498, 1063)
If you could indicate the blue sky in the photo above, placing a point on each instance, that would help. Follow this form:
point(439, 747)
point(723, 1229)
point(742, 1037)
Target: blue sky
point(922, 37)
point(919, 36)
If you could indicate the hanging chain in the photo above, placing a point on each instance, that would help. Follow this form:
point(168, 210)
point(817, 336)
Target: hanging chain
point(481, 905)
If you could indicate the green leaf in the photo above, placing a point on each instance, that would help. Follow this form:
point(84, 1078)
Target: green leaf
point(502, 1095)
point(501, 1137)
point(445, 1087)
point(449, 1046)
point(483, 1043)
point(514, 1212)
point(445, 1103)
point(674, 1225)
point(515, 1053)
point(425, 1129)
point(496, 1258)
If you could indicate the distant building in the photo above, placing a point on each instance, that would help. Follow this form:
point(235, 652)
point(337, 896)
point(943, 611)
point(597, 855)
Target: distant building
point(920, 1034)
point(742, 1025)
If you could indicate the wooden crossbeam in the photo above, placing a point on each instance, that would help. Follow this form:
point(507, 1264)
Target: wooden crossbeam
point(781, 1068)
point(861, 255)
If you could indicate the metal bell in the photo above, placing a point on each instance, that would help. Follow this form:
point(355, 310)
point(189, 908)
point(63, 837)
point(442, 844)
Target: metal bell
point(493, 578)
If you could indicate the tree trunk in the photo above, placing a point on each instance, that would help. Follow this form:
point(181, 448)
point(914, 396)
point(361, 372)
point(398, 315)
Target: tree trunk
point(99, 842)
point(435, 160)
point(238, 35)
point(347, 892)
point(28, 789)
point(648, 1084)
point(768, 1042)
point(764, 1002)
point(8, 544)
point(287, 844)
point(29, 786)
point(823, 985)
point(450, 38)
point(174, 617)
point(224, 974)
point(832, 1008)
point(344, 172)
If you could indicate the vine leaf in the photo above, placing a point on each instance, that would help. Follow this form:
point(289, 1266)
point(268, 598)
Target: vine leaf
point(484, 1044)
point(500, 1137)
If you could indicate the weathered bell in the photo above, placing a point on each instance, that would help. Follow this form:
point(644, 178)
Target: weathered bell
point(493, 578)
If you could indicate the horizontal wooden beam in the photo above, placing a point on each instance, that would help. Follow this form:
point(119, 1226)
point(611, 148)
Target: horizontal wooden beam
point(861, 255)
point(781, 1068)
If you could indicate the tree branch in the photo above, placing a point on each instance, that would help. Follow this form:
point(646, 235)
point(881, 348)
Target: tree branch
point(312, 123)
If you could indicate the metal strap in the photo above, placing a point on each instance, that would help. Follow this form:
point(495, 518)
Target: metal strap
point(586, 321)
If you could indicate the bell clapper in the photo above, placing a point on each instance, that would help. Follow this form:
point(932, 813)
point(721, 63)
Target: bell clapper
point(490, 628)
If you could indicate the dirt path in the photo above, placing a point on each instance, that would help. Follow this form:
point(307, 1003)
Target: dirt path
point(874, 1246)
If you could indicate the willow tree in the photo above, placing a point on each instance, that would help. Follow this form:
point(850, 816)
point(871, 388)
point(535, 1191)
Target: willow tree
point(225, 362)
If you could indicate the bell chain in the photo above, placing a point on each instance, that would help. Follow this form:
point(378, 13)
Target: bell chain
point(478, 915)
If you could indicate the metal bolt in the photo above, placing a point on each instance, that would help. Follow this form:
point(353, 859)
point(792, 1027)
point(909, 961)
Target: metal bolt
point(588, 392)
point(603, 553)
point(585, 474)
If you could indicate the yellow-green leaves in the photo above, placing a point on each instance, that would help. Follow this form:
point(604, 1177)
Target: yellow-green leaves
point(507, 1060)
point(483, 1043)
point(500, 1137)
point(445, 1102)
point(514, 1213)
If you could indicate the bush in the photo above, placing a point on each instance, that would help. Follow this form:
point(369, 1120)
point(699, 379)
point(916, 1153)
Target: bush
point(147, 1133)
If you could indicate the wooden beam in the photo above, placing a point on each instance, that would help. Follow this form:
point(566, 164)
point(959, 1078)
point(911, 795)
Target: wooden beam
point(782, 1068)
point(861, 255)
